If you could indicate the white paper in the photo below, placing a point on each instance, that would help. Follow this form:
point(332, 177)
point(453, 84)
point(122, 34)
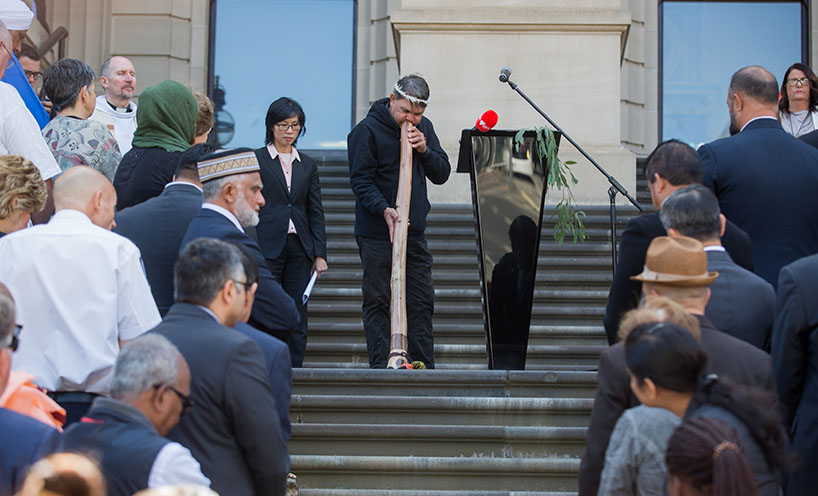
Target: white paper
point(306, 295)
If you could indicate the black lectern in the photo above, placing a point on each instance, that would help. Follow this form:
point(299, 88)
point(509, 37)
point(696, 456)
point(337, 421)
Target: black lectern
point(508, 191)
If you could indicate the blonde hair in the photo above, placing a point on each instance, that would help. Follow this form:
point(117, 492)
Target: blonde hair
point(64, 474)
point(20, 179)
point(659, 309)
point(204, 118)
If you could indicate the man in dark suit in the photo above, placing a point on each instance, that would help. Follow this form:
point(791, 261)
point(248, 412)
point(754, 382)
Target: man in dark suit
point(675, 268)
point(672, 165)
point(764, 178)
point(158, 225)
point(795, 355)
point(232, 194)
point(276, 353)
point(25, 440)
point(741, 303)
point(233, 430)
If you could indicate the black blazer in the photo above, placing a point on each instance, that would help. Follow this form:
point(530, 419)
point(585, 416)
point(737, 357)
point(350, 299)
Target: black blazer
point(279, 368)
point(765, 181)
point(795, 354)
point(233, 430)
point(157, 227)
point(633, 246)
point(727, 357)
point(302, 203)
point(142, 174)
point(273, 310)
point(741, 303)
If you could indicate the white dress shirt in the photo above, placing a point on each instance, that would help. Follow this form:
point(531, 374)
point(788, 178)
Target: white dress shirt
point(79, 289)
point(20, 133)
point(175, 465)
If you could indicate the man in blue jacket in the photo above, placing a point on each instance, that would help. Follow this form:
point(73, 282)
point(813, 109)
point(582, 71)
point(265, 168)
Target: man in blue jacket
point(374, 148)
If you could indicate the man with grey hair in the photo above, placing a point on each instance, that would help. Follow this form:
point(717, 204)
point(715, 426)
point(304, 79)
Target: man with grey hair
point(231, 186)
point(374, 148)
point(25, 440)
point(741, 303)
point(150, 392)
point(234, 429)
point(114, 108)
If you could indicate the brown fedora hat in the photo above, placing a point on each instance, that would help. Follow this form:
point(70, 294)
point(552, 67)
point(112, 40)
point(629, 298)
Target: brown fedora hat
point(678, 261)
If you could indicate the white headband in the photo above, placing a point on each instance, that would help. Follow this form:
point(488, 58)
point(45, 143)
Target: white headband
point(413, 99)
point(15, 15)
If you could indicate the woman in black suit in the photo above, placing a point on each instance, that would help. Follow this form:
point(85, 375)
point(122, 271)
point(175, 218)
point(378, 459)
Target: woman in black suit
point(291, 222)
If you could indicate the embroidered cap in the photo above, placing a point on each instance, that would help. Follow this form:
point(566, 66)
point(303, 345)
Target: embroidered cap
point(226, 163)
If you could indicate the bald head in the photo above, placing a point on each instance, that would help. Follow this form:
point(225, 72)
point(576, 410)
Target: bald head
point(756, 83)
point(85, 189)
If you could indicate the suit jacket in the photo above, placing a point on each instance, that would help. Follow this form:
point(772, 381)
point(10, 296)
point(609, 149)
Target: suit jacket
point(279, 368)
point(142, 174)
point(766, 181)
point(633, 245)
point(25, 441)
point(273, 310)
point(795, 355)
point(157, 227)
point(302, 204)
point(727, 357)
point(741, 303)
point(233, 430)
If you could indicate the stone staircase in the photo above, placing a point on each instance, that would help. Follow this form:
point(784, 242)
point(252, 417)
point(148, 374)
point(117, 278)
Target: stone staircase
point(459, 429)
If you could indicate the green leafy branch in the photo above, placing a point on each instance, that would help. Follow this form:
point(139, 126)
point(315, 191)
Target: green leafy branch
point(569, 219)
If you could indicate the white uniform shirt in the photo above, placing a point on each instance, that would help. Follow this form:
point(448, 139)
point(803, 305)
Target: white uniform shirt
point(120, 122)
point(175, 465)
point(20, 134)
point(78, 289)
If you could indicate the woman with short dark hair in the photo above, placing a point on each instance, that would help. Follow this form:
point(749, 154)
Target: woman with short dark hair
point(798, 105)
point(291, 230)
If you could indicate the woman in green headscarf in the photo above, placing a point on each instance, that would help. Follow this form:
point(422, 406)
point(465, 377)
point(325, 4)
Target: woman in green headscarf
point(166, 122)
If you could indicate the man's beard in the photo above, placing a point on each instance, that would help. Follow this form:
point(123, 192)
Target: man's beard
point(245, 213)
point(734, 129)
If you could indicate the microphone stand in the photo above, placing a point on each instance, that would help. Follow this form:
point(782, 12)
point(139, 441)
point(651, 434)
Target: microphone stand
point(616, 186)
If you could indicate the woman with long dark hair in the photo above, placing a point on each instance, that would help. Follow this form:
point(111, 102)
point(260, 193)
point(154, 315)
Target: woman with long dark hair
point(291, 230)
point(667, 367)
point(704, 456)
point(798, 105)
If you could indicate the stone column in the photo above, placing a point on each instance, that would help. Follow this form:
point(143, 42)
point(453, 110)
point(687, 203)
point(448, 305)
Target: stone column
point(565, 54)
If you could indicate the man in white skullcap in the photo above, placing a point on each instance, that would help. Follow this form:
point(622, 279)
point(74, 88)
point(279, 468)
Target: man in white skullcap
point(17, 17)
point(19, 132)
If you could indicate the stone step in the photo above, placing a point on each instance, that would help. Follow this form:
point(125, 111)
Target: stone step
point(565, 356)
point(410, 492)
point(460, 247)
point(447, 383)
point(549, 277)
point(471, 295)
point(483, 441)
point(329, 330)
point(436, 473)
point(439, 410)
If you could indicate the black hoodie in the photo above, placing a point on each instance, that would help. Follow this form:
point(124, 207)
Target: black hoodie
point(374, 167)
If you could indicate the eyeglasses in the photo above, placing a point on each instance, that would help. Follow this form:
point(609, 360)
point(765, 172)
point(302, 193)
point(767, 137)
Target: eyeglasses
point(187, 403)
point(11, 59)
point(246, 285)
point(35, 74)
point(283, 126)
point(13, 340)
point(795, 81)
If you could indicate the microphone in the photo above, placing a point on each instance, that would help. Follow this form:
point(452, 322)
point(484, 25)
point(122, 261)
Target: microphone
point(486, 121)
point(505, 73)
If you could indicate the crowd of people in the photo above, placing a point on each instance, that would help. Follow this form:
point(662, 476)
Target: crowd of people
point(152, 284)
point(152, 308)
point(708, 386)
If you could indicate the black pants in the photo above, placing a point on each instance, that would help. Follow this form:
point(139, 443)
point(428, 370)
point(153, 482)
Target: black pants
point(76, 404)
point(292, 270)
point(376, 258)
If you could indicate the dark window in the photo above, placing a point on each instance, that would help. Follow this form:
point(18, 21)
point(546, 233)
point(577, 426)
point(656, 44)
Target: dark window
point(703, 43)
point(261, 50)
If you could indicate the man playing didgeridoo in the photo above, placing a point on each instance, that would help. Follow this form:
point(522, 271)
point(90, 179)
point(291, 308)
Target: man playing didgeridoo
point(374, 162)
